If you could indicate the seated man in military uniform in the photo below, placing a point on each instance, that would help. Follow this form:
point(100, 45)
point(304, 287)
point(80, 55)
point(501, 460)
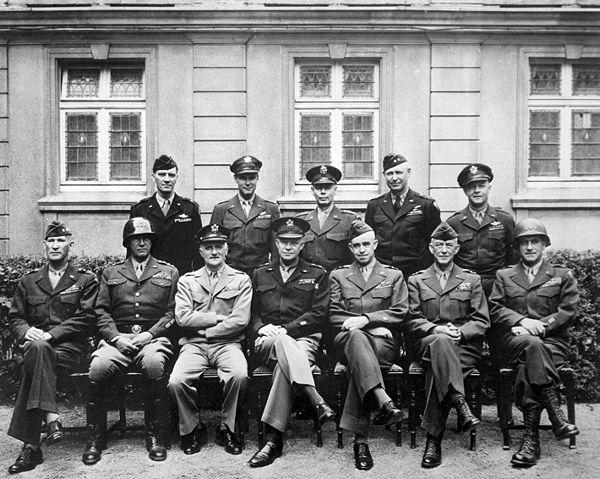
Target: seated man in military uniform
point(212, 307)
point(453, 302)
point(135, 308)
point(51, 315)
point(289, 307)
point(532, 305)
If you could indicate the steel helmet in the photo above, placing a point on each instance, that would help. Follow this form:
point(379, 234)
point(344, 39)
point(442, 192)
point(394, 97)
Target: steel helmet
point(136, 227)
point(531, 227)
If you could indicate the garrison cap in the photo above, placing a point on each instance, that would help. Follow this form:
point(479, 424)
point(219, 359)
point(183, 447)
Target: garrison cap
point(444, 232)
point(212, 232)
point(163, 162)
point(357, 228)
point(290, 227)
point(474, 172)
point(393, 159)
point(324, 174)
point(56, 228)
point(246, 164)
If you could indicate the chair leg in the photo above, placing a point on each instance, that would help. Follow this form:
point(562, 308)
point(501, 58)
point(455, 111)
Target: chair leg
point(259, 424)
point(339, 406)
point(474, 399)
point(412, 410)
point(505, 406)
point(569, 381)
point(398, 400)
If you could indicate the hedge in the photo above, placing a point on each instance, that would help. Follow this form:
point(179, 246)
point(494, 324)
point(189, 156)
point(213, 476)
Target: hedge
point(585, 333)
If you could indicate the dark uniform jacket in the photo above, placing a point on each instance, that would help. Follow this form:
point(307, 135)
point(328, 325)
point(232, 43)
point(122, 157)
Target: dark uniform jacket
point(552, 298)
point(125, 301)
point(403, 237)
point(461, 302)
point(328, 247)
point(300, 305)
point(175, 242)
point(383, 299)
point(250, 241)
point(66, 312)
point(485, 247)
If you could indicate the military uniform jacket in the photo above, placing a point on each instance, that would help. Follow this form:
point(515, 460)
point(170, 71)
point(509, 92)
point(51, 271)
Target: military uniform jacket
point(404, 236)
point(66, 312)
point(222, 312)
point(553, 298)
point(124, 300)
point(328, 246)
point(300, 305)
point(174, 242)
point(251, 240)
point(461, 302)
point(383, 299)
point(485, 247)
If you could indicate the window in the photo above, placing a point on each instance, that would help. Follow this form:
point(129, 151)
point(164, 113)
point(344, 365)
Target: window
point(564, 120)
point(102, 124)
point(336, 108)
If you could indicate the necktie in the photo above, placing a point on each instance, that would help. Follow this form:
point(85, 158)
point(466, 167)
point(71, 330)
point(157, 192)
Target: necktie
point(165, 207)
point(285, 274)
point(365, 272)
point(530, 275)
point(443, 279)
point(54, 277)
point(322, 219)
point(479, 217)
point(139, 269)
point(397, 204)
point(246, 207)
point(212, 279)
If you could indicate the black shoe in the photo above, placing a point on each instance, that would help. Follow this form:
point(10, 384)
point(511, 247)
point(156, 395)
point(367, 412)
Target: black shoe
point(227, 439)
point(363, 461)
point(192, 443)
point(324, 413)
point(432, 457)
point(387, 414)
point(528, 454)
point(466, 420)
point(27, 459)
point(92, 453)
point(562, 428)
point(266, 455)
point(156, 448)
point(55, 432)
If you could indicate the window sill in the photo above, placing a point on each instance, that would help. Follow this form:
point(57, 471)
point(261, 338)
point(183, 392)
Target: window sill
point(557, 198)
point(347, 200)
point(87, 202)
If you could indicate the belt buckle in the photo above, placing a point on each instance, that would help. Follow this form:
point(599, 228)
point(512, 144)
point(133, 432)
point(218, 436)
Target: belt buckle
point(136, 329)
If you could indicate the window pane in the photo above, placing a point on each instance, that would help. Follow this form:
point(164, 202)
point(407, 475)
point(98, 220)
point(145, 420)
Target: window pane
point(126, 82)
point(125, 146)
point(315, 81)
point(81, 146)
point(83, 82)
point(545, 79)
point(315, 141)
point(544, 143)
point(358, 146)
point(586, 79)
point(585, 153)
point(358, 80)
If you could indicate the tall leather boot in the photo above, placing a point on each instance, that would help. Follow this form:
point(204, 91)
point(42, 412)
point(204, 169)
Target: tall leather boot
point(97, 438)
point(466, 420)
point(529, 452)
point(561, 427)
point(155, 413)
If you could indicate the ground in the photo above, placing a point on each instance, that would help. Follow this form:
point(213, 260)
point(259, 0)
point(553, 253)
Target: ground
point(302, 459)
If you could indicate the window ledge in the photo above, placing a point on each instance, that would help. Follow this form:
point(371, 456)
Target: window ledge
point(90, 201)
point(554, 199)
point(347, 200)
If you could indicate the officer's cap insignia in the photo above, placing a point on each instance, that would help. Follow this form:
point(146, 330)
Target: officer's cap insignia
point(214, 228)
point(323, 170)
point(473, 170)
point(289, 223)
point(247, 159)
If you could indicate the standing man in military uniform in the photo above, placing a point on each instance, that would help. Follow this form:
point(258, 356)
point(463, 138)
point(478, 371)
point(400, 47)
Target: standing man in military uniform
point(135, 308)
point(485, 233)
point(452, 300)
point(212, 306)
point(533, 304)
point(175, 219)
point(51, 315)
point(369, 302)
point(248, 217)
point(289, 308)
point(402, 219)
point(325, 242)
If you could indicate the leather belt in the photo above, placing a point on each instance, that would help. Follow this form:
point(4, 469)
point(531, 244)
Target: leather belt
point(133, 328)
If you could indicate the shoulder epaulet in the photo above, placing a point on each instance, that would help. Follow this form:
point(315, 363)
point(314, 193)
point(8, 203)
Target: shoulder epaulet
point(185, 198)
point(421, 195)
point(348, 212)
point(164, 263)
point(270, 202)
point(389, 266)
point(189, 273)
point(380, 197)
point(32, 271)
point(118, 262)
point(85, 271)
point(456, 213)
point(418, 272)
point(470, 271)
point(143, 200)
point(314, 265)
point(302, 213)
point(344, 266)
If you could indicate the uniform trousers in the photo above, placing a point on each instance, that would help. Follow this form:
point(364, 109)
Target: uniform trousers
point(536, 362)
point(194, 359)
point(364, 354)
point(447, 364)
point(107, 360)
point(291, 360)
point(42, 362)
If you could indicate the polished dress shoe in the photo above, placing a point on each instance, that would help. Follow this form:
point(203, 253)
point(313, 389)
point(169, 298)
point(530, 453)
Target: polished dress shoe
point(466, 420)
point(27, 460)
point(156, 448)
point(92, 453)
point(432, 457)
point(324, 413)
point(192, 443)
point(387, 414)
point(227, 439)
point(363, 461)
point(55, 432)
point(266, 455)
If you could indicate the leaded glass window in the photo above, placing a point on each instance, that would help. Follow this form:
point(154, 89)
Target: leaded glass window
point(358, 80)
point(82, 146)
point(586, 143)
point(126, 82)
point(544, 144)
point(125, 146)
point(586, 79)
point(358, 146)
point(315, 81)
point(83, 82)
point(545, 79)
